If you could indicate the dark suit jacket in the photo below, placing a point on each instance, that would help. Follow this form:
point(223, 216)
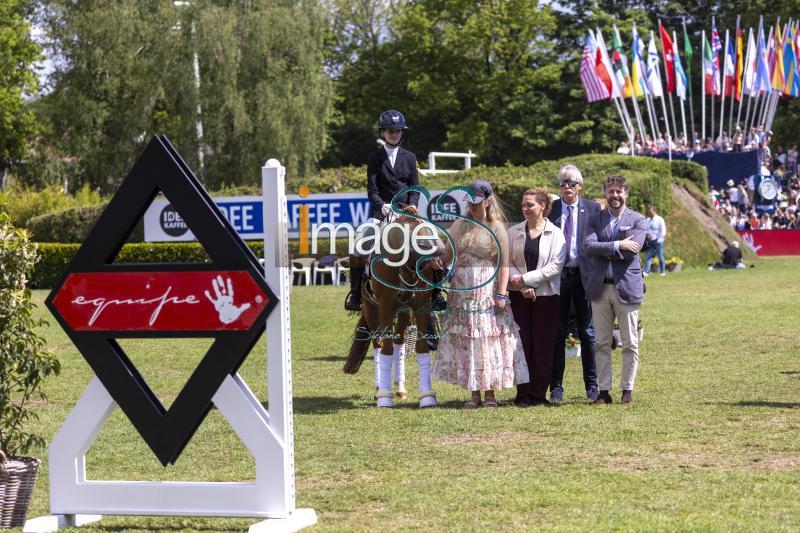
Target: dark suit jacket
point(586, 208)
point(626, 267)
point(384, 182)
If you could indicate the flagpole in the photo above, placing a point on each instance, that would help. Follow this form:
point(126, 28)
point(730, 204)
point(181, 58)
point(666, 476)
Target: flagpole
point(722, 80)
point(611, 95)
point(664, 109)
point(619, 100)
point(689, 84)
point(664, 56)
point(744, 75)
point(655, 115)
point(683, 113)
point(703, 88)
point(733, 96)
point(768, 92)
point(637, 112)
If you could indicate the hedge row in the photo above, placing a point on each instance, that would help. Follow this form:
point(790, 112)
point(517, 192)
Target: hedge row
point(649, 179)
point(54, 257)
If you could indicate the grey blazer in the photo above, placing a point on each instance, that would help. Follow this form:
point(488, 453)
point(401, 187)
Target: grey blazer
point(625, 266)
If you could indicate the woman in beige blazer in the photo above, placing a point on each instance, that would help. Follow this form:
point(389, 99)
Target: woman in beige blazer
point(537, 252)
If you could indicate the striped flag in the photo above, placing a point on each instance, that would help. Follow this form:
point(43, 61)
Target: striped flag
point(739, 64)
point(762, 83)
point(620, 64)
point(653, 77)
point(751, 66)
point(710, 69)
point(730, 68)
point(680, 76)
point(638, 70)
point(595, 88)
point(778, 80)
point(688, 52)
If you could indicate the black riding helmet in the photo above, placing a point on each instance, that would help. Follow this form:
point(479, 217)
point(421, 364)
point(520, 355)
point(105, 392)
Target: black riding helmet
point(392, 119)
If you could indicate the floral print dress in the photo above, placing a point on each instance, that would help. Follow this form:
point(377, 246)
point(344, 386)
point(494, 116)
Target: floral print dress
point(479, 349)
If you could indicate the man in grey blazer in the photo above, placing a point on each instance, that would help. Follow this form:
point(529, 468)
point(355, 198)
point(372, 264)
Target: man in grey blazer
point(614, 284)
point(571, 213)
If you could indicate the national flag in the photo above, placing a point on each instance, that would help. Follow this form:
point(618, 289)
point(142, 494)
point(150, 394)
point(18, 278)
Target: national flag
point(716, 44)
point(653, 76)
point(730, 68)
point(710, 73)
point(739, 65)
point(638, 69)
point(620, 64)
point(762, 83)
point(777, 78)
point(680, 76)
point(790, 71)
point(751, 66)
point(606, 61)
point(669, 62)
point(688, 52)
point(595, 88)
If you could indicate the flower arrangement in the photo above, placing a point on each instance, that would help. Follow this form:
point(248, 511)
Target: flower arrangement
point(674, 264)
point(572, 347)
point(572, 342)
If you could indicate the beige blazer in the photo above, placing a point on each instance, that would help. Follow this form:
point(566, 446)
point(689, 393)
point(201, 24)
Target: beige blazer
point(546, 279)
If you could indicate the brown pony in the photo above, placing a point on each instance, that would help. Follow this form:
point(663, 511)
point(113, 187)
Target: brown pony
point(387, 311)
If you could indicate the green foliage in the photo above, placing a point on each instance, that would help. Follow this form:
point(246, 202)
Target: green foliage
point(127, 73)
point(697, 174)
point(72, 225)
point(24, 204)
point(24, 362)
point(17, 54)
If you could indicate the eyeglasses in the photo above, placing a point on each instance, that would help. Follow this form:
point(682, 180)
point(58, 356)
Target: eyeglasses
point(568, 183)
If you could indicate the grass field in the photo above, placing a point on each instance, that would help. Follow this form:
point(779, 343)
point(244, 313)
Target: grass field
point(711, 442)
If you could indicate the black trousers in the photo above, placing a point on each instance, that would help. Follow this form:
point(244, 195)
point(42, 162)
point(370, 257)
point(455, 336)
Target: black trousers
point(575, 314)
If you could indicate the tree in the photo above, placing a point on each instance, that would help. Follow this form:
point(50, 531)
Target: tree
point(486, 76)
point(18, 52)
point(126, 73)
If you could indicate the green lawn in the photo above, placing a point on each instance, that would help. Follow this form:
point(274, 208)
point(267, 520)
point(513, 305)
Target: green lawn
point(711, 442)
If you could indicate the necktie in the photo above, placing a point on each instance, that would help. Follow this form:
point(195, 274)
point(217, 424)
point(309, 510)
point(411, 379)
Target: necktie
point(568, 233)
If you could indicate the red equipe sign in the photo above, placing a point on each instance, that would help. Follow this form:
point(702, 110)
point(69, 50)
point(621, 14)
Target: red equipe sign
point(160, 301)
point(773, 242)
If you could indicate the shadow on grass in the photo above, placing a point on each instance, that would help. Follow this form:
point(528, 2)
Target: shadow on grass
point(320, 405)
point(755, 403)
point(790, 372)
point(328, 358)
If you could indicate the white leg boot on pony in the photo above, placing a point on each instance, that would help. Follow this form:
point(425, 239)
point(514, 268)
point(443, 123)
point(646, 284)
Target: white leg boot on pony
point(399, 370)
point(385, 393)
point(427, 398)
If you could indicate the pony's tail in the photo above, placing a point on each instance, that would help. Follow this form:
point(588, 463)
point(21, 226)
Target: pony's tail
point(358, 348)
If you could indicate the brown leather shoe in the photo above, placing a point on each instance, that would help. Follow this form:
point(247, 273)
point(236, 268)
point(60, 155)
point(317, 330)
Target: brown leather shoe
point(603, 398)
point(627, 397)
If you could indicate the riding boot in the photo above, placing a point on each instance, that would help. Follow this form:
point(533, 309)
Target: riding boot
point(438, 303)
point(353, 301)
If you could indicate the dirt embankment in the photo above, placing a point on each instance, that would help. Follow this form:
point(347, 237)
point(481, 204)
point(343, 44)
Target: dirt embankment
point(708, 218)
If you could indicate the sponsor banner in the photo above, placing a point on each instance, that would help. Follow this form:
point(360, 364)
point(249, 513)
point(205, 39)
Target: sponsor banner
point(163, 223)
point(160, 301)
point(772, 242)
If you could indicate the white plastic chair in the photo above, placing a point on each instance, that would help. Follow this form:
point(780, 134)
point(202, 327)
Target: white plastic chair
point(343, 270)
point(303, 266)
point(332, 270)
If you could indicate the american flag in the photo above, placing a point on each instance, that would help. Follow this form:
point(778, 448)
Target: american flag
point(592, 84)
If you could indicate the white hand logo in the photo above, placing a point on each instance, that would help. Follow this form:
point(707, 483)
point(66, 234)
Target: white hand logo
point(224, 302)
point(748, 240)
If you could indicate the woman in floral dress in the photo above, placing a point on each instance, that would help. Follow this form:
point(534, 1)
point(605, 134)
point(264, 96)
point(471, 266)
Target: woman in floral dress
point(480, 349)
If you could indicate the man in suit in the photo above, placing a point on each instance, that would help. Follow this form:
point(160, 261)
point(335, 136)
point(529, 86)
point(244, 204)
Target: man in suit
point(614, 284)
point(571, 213)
